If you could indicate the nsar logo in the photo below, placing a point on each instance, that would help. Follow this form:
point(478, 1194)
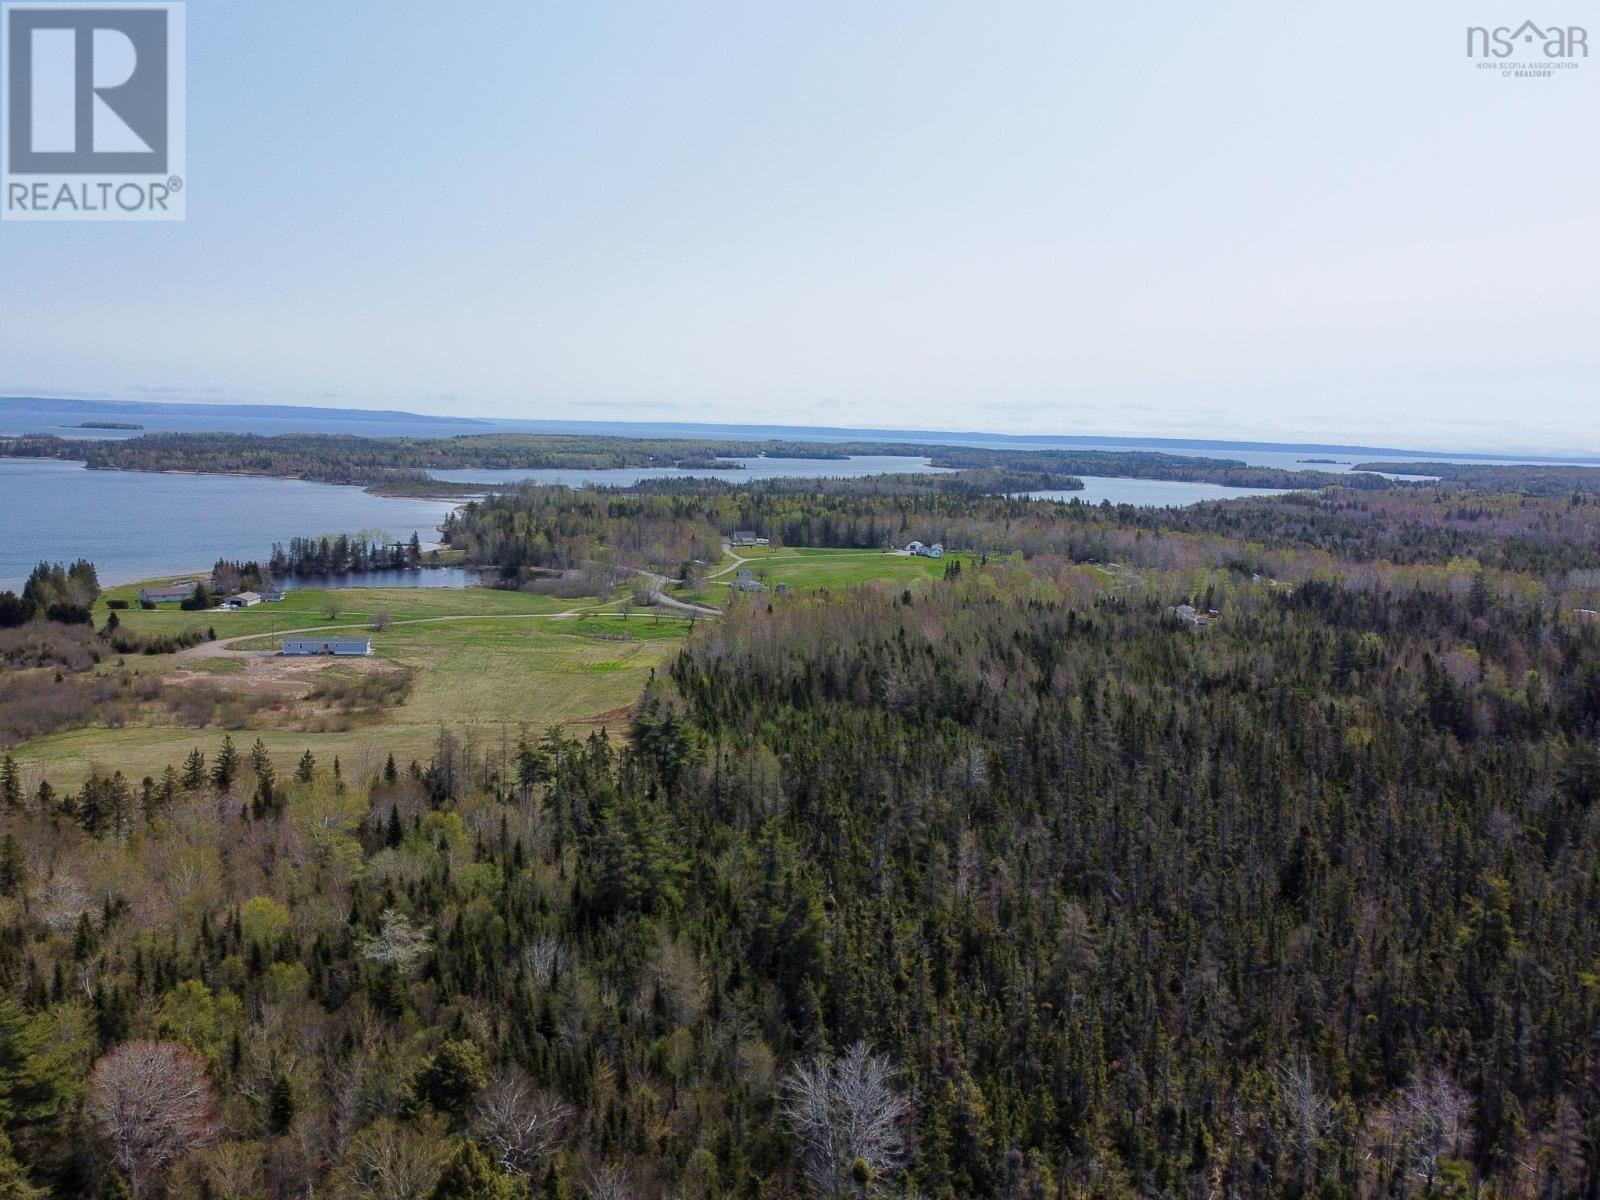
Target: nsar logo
point(1527, 51)
point(94, 111)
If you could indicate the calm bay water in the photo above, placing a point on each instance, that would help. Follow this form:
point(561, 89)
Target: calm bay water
point(1155, 493)
point(747, 469)
point(423, 577)
point(139, 525)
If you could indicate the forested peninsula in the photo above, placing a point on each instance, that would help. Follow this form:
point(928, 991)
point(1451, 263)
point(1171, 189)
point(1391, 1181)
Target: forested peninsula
point(367, 461)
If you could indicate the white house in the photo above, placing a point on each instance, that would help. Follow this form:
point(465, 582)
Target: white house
point(934, 551)
point(242, 600)
point(340, 647)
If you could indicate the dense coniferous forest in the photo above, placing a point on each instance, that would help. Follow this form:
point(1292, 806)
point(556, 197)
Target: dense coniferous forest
point(1016, 883)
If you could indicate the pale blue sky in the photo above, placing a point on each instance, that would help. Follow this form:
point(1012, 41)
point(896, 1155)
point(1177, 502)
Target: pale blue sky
point(1251, 219)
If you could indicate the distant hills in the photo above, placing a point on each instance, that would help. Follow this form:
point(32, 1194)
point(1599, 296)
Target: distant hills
point(294, 418)
point(280, 412)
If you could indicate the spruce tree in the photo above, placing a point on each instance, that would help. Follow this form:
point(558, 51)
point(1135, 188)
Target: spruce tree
point(225, 767)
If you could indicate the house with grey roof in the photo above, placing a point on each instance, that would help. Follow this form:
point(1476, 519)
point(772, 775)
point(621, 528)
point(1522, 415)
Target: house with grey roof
point(171, 593)
point(338, 647)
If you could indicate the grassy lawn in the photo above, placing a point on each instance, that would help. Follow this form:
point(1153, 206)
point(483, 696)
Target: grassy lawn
point(311, 606)
point(505, 664)
point(482, 661)
point(809, 570)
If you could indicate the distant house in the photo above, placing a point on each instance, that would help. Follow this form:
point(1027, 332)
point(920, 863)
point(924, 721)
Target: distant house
point(271, 597)
point(1193, 617)
point(934, 551)
point(747, 537)
point(744, 581)
point(172, 593)
point(339, 647)
point(242, 600)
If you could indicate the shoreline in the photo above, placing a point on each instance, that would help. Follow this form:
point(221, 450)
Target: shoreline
point(229, 548)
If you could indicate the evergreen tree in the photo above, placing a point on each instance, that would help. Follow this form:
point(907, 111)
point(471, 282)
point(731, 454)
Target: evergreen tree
point(469, 1175)
point(454, 1076)
point(14, 1183)
point(280, 1104)
point(194, 771)
point(225, 767)
point(13, 866)
point(10, 783)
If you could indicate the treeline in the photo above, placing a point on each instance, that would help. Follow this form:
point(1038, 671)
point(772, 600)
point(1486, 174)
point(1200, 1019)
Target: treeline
point(1012, 886)
point(352, 459)
point(1529, 479)
point(398, 461)
point(663, 523)
point(55, 592)
point(667, 523)
point(342, 555)
point(1142, 464)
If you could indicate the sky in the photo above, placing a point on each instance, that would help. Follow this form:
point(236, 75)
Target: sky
point(1236, 220)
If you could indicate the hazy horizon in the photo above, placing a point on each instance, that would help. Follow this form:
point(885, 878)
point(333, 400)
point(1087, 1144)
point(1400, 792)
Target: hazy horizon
point(1260, 224)
point(388, 423)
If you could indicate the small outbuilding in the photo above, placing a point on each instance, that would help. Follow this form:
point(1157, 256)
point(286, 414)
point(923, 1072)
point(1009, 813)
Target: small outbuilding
point(338, 647)
point(242, 600)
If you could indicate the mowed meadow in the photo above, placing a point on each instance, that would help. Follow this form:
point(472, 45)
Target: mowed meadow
point(478, 663)
point(483, 665)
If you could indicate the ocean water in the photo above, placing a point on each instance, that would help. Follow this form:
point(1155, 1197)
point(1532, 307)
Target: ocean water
point(748, 469)
point(140, 525)
point(63, 418)
point(423, 577)
point(1153, 493)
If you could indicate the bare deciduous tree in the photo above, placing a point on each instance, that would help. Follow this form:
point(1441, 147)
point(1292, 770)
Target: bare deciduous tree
point(518, 1123)
point(397, 941)
point(609, 1183)
point(391, 1161)
point(1308, 1111)
point(1436, 1111)
point(545, 957)
point(849, 1119)
point(153, 1104)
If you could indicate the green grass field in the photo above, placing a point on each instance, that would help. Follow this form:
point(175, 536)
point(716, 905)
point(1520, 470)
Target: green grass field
point(474, 677)
point(484, 664)
point(355, 607)
point(810, 570)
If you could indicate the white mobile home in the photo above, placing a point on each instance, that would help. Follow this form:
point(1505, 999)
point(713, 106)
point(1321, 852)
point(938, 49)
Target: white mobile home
point(340, 647)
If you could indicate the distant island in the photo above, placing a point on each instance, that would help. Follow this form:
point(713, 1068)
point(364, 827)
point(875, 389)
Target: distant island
point(404, 463)
point(107, 425)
